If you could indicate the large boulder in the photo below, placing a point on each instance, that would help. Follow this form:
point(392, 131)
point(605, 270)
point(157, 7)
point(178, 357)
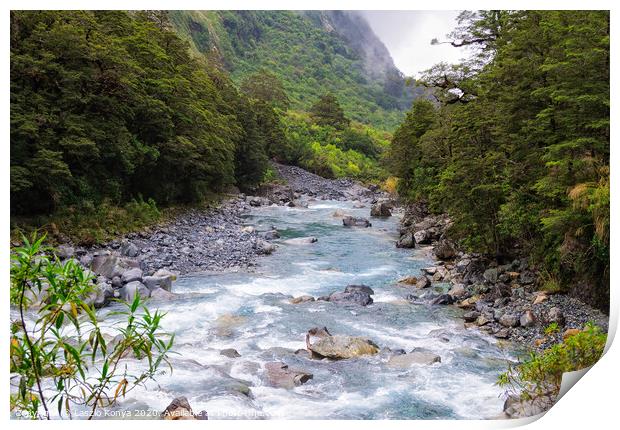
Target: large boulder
point(322, 344)
point(422, 237)
point(359, 288)
point(406, 241)
point(301, 240)
point(280, 375)
point(110, 265)
point(354, 295)
point(380, 209)
point(351, 221)
point(445, 250)
point(153, 282)
point(133, 274)
point(161, 294)
point(128, 291)
point(417, 356)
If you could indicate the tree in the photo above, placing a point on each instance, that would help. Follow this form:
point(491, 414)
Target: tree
point(267, 87)
point(519, 155)
point(327, 111)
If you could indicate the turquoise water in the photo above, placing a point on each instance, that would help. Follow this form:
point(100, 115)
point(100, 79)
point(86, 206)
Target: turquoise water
point(250, 311)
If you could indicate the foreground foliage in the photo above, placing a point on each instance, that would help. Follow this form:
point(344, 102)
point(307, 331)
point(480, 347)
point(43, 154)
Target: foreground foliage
point(541, 374)
point(61, 357)
point(516, 149)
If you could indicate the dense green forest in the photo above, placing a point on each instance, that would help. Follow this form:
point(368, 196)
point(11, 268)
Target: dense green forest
point(516, 146)
point(310, 52)
point(113, 107)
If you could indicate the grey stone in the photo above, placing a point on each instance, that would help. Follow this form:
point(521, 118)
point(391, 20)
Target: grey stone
point(134, 274)
point(128, 291)
point(230, 353)
point(406, 241)
point(527, 319)
point(509, 320)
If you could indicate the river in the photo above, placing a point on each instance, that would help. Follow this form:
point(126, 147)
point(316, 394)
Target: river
point(251, 312)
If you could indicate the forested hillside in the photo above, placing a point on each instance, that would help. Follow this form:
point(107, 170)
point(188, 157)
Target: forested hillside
point(310, 52)
point(516, 149)
point(113, 108)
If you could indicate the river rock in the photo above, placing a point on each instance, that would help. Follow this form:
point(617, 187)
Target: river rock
point(443, 299)
point(230, 353)
point(406, 241)
point(351, 221)
point(65, 252)
point(458, 291)
point(445, 250)
point(226, 324)
point(423, 282)
point(153, 282)
point(103, 294)
point(471, 316)
point(380, 209)
point(338, 347)
point(128, 291)
point(490, 275)
point(112, 265)
point(161, 294)
point(421, 357)
point(264, 247)
point(422, 237)
point(271, 235)
point(527, 319)
point(301, 240)
point(166, 272)
point(517, 407)
point(339, 213)
point(353, 294)
point(133, 274)
point(280, 375)
point(179, 409)
point(555, 315)
point(509, 320)
point(128, 249)
point(302, 299)
point(361, 288)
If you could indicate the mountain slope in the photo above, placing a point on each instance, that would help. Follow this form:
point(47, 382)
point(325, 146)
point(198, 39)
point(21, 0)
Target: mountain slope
point(312, 52)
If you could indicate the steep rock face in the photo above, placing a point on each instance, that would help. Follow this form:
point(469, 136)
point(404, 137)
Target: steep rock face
point(310, 51)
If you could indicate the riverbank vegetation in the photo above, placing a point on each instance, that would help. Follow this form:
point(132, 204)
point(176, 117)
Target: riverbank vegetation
point(515, 147)
point(112, 114)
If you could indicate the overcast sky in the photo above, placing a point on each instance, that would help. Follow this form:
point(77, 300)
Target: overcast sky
point(408, 34)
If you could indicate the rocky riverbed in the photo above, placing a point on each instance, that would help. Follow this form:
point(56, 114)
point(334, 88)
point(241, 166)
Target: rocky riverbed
point(346, 306)
point(210, 240)
point(504, 300)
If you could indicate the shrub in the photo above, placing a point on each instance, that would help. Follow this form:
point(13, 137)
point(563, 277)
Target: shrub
point(59, 354)
point(541, 374)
